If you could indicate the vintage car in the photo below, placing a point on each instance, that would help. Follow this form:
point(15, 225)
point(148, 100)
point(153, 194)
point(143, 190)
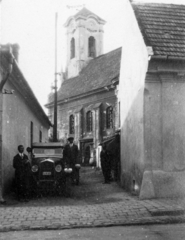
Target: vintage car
point(48, 168)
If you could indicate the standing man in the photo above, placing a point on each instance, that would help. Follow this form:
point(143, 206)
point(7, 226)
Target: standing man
point(105, 164)
point(71, 156)
point(22, 174)
point(114, 150)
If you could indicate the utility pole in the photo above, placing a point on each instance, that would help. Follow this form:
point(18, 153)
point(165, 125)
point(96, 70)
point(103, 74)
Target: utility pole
point(55, 87)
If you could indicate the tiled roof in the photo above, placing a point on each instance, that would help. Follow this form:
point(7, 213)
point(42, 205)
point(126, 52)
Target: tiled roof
point(97, 74)
point(20, 84)
point(163, 27)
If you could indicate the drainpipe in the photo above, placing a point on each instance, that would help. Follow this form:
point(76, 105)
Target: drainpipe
point(2, 83)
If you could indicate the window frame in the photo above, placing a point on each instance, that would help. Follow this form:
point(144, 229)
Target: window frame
point(109, 117)
point(92, 45)
point(89, 121)
point(72, 124)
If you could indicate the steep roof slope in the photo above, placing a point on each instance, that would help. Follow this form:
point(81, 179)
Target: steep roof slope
point(163, 27)
point(97, 74)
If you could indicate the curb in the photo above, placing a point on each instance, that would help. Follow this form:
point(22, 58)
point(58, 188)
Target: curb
point(167, 212)
point(130, 222)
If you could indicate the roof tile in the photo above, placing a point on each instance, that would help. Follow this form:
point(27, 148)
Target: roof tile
point(162, 26)
point(97, 74)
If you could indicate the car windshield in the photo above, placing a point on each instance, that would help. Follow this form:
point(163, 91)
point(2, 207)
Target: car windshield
point(47, 151)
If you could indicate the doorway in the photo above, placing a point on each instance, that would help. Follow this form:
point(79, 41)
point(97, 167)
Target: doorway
point(87, 155)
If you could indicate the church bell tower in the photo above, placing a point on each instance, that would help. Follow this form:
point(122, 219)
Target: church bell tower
point(84, 33)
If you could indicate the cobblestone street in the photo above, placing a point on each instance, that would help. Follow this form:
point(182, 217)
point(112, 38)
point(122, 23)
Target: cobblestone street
point(91, 204)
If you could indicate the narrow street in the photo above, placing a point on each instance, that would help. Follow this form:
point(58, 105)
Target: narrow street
point(89, 192)
point(91, 204)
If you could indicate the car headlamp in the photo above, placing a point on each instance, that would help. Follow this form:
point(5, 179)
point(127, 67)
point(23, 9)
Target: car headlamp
point(34, 168)
point(68, 170)
point(58, 168)
point(77, 166)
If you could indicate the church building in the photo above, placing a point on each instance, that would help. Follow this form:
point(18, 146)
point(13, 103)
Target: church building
point(87, 99)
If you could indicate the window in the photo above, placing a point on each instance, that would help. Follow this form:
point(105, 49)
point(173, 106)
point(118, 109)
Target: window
point(40, 136)
point(71, 125)
point(109, 117)
point(92, 47)
point(72, 48)
point(89, 121)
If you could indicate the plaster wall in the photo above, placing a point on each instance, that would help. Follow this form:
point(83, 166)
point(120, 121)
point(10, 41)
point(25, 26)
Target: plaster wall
point(173, 125)
point(153, 124)
point(165, 134)
point(81, 30)
point(164, 122)
point(17, 118)
point(134, 65)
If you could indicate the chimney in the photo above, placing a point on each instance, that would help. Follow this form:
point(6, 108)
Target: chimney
point(15, 51)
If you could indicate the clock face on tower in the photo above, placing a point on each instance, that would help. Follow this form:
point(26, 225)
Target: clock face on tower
point(92, 25)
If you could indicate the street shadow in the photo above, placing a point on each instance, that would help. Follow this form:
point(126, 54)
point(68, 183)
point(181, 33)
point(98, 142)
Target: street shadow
point(90, 190)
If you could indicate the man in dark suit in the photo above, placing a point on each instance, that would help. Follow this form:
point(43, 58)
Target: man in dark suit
point(113, 149)
point(22, 174)
point(71, 156)
point(105, 164)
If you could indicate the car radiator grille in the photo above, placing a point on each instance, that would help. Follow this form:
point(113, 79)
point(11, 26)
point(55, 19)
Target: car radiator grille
point(47, 170)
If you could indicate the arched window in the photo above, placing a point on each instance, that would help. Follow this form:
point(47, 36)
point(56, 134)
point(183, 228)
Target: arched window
point(71, 124)
point(72, 48)
point(89, 121)
point(92, 47)
point(109, 117)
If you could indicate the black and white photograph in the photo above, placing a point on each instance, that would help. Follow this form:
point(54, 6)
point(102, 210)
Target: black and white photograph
point(92, 119)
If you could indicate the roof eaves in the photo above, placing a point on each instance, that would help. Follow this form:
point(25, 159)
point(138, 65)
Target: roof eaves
point(72, 98)
point(166, 57)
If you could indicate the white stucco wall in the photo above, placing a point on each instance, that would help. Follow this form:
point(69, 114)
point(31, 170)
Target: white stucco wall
point(134, 64)
point(17, 118)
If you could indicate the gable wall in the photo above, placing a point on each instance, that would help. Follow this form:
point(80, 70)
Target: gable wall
point(134, 65)
point(17, 117)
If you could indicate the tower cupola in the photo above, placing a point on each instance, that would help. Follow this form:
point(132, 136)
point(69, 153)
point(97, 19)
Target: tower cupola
point(84, 33)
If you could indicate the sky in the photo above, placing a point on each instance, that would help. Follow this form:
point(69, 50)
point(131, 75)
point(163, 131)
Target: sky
point(31, 24)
